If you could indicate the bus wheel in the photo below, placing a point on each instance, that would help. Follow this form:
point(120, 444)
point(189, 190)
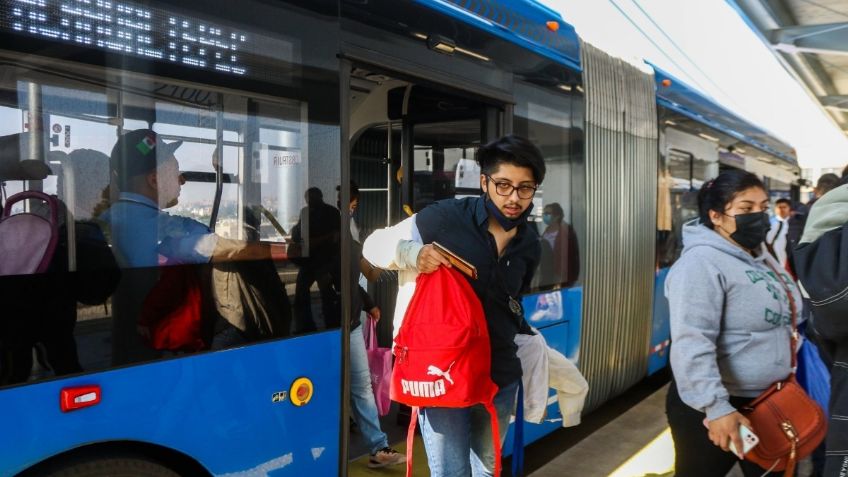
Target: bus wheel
point(110, 466)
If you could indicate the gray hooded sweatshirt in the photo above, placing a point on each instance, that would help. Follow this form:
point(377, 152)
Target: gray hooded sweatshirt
point(730, 321)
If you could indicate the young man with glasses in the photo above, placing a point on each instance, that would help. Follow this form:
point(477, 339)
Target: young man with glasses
point(492, 233)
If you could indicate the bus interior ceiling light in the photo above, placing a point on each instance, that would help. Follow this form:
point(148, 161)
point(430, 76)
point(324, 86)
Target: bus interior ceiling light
point(708, 137)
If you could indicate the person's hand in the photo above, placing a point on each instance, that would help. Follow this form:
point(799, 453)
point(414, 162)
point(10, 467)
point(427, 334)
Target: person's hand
point(429, 259)
point(374, 313)
point(726, 429)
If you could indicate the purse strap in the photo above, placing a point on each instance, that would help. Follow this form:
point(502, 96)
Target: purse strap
point(369, 329)
point(793, 337)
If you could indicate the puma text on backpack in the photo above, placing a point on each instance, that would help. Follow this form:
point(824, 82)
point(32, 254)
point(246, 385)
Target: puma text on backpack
point(442, 352)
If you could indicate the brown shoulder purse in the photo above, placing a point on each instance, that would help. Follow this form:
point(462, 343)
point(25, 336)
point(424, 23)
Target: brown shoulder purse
point(789, 424)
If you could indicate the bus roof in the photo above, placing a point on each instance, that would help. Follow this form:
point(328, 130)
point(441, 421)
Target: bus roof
point(680, 97)
point(523, 22)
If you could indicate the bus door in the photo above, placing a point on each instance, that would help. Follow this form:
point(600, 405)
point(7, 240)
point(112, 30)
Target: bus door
point(411, 143)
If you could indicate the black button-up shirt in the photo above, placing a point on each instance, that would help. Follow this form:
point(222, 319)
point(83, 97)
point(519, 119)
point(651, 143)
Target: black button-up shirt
point(462, 226)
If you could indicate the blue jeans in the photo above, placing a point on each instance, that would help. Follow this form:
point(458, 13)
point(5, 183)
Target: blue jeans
point(459, 440)
point(361, 396)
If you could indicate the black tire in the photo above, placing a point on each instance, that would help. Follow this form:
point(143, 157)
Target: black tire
point(106, 466)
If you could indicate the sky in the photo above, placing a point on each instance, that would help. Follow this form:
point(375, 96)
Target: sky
point(709, 46)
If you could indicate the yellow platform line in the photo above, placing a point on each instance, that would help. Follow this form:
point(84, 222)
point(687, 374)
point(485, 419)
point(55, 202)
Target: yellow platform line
point(655, 459)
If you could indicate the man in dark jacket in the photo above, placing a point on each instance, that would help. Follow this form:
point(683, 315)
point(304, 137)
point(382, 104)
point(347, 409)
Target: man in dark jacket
point(492, 233)
point(821, 262)
point(795, 223)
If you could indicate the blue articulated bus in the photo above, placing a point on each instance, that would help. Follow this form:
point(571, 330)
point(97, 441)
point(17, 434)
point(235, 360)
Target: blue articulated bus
point(265, 105)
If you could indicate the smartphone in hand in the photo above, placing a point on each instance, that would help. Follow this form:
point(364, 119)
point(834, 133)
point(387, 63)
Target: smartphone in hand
point(749, 441)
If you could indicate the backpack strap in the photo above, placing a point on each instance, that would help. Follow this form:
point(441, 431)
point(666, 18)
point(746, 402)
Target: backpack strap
point(496, 436)
point(410, 440)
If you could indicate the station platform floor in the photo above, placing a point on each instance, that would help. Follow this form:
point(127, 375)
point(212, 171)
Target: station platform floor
point(636, 443)
point(632, 440)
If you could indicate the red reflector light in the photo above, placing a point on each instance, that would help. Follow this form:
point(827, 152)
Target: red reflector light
point(71, 399)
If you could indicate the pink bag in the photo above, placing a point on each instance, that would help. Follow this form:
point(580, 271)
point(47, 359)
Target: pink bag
point(380, 364)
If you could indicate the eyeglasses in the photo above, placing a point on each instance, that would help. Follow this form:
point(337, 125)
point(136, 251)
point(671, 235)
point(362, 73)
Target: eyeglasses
point(505, 188)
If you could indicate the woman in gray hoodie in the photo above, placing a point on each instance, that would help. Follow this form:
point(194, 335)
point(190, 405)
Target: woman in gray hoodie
point(730, 324)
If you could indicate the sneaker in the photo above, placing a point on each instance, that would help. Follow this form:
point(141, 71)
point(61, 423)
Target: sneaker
point(384, 457)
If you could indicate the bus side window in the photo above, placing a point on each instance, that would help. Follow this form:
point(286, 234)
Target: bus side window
point(547, 118)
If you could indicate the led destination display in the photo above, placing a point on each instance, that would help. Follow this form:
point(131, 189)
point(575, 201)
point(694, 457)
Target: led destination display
point(151, 33)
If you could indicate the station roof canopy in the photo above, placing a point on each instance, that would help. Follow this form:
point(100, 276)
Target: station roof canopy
point(810, 38)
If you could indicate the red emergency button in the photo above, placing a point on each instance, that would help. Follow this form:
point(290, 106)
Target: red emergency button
point(71, 399)
point(301, 391)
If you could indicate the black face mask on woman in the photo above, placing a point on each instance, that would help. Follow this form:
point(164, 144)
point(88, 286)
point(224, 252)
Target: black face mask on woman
point(751, 229)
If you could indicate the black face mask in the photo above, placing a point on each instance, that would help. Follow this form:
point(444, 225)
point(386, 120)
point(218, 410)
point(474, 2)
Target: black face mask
point(507, 223)
point(751, 229)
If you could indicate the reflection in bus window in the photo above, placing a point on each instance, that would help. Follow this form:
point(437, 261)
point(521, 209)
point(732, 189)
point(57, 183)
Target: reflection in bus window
point(686, 162)
point(545, 117)
point(185, 207)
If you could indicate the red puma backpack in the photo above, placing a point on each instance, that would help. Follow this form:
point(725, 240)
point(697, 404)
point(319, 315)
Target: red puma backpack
point(442, 353)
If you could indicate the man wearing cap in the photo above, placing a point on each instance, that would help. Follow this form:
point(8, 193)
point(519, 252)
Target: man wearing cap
point(148, 178)
point(143, 236)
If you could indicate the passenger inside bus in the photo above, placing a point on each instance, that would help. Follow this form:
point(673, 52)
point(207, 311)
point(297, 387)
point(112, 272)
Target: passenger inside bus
point(147, 176)
point(41, 306)
point(318, 250)
point(363, 404)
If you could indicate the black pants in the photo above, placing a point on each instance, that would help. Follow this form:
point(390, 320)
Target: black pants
point(695, 454)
